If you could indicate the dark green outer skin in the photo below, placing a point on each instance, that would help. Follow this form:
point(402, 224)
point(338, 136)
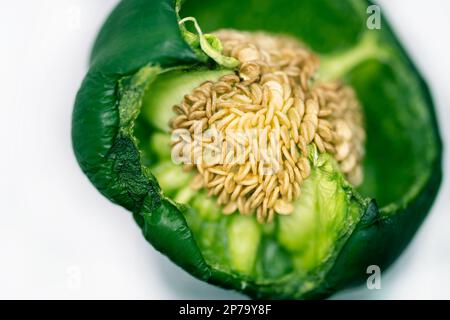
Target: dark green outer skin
point(110, 158)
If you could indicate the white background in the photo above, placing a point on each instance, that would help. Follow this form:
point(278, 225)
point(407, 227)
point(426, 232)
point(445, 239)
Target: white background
point(59, 238)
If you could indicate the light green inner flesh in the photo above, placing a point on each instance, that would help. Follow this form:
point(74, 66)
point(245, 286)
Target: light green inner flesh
point(327, 211)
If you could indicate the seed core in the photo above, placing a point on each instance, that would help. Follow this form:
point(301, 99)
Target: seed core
point(249, 132)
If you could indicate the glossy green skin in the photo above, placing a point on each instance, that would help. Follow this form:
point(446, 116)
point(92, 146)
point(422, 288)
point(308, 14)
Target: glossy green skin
point(140, 33)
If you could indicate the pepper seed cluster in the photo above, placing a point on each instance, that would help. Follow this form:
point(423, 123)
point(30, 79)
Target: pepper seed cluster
point(274, 96)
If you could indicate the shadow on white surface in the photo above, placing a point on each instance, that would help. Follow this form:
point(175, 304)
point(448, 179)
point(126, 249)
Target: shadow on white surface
point(182, 285)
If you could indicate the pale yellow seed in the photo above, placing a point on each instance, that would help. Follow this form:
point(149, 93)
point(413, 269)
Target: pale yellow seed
point(229, 183)
point(236, 192)
point(307, 130)
point(283, 207)
point(305, 167)
point(298, 175)
point(311, 117)
point(217, 116)
point(342, 130)
point(230, 208)
point(257, 201)
point(297, 190)
point(248, 54)
point(283, 119)
point(325, 133)
point(302, 145)
point(342, 151)
point(294, 116)
point(312, 107)
point(273, 197)
point(270, 215)
point(348, 164)
point(319, 143)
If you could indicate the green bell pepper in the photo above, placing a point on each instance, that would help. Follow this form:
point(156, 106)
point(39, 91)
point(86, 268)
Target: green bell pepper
point(143, 62)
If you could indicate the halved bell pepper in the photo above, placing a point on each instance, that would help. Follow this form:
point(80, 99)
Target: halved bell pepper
point(142, 63)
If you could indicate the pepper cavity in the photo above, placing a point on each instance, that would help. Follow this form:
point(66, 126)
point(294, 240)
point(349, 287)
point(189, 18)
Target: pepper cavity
point(248, 134)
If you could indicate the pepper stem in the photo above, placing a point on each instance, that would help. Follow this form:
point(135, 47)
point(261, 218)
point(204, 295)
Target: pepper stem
point(209, 44)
